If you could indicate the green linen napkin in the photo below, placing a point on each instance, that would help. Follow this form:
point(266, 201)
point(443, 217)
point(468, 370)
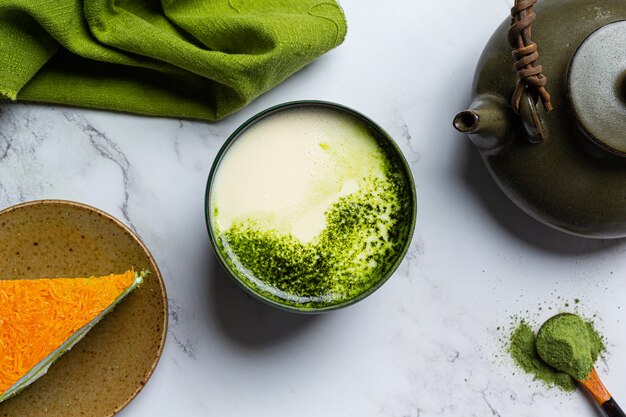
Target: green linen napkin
point(184, 58)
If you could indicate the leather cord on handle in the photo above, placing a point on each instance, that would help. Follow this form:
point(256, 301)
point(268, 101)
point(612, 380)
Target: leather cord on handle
point(529, 73)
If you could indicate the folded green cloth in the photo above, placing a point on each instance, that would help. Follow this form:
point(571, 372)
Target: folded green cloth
point(184, 58)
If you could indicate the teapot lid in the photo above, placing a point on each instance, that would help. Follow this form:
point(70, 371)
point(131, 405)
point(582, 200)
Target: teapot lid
point(597, 87)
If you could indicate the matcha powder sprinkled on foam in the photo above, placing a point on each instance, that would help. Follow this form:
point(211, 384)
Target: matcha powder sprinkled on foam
point(315, 208)
point(565, 348)
point(363, 237)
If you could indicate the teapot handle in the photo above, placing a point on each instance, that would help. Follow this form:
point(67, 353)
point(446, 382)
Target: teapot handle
point(531, 81)
point(528, 112)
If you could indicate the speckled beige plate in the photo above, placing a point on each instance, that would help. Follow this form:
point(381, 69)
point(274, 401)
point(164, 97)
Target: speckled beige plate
point(108, 368)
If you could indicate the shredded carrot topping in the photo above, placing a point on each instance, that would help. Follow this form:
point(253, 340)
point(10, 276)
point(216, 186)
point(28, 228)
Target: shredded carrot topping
point(37, 316)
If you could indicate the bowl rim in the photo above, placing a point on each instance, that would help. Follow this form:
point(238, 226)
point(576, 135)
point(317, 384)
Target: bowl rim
point(381, 133)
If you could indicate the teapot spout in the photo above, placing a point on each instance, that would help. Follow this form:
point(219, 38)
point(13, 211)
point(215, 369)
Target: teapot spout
point(466, 121)
point(486, 122)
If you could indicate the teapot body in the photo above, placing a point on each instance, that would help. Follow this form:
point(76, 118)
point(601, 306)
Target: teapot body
point(567, 181)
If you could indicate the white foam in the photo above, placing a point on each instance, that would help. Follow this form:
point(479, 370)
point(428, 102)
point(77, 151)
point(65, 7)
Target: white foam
point(287, 170)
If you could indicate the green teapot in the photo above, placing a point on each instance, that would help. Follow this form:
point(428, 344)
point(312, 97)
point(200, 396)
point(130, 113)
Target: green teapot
point(549, 113)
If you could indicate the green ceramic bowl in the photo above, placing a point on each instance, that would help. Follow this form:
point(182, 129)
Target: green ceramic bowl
point(401, 166)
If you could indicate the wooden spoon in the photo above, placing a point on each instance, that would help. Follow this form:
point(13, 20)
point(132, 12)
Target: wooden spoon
point(596, 388)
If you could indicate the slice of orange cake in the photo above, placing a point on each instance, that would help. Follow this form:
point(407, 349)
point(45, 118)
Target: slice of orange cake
point(41, 319)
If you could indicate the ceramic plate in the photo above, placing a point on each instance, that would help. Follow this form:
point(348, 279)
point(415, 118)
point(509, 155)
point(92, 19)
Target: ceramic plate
point(108, 368)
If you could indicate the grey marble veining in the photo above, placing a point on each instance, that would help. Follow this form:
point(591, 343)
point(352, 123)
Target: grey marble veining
point(429, 342)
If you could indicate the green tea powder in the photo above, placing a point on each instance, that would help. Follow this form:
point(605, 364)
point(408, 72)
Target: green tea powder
point(565, 349)
point(522, 348)
point(569, 344)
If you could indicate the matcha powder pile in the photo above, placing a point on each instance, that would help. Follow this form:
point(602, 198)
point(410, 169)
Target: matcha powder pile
point(565, 349)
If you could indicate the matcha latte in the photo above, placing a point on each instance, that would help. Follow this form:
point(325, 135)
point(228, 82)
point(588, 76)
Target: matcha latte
point(310, 207)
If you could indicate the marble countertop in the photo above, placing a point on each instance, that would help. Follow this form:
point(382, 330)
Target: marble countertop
point(427, 343)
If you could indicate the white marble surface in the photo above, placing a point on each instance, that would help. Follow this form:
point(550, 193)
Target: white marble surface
point(426, 344)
